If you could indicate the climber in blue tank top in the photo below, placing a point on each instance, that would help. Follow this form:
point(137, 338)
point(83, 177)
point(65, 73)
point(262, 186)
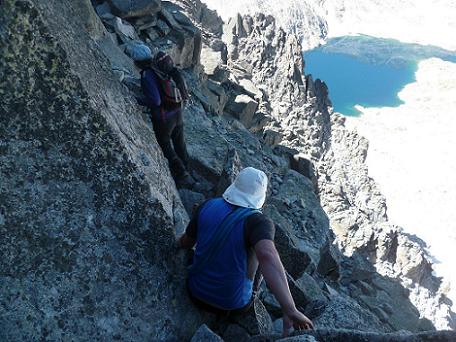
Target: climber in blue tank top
point(233, 240)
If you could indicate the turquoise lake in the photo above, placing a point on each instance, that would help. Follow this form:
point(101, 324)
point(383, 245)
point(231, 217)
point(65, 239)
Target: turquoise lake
point(366, 70)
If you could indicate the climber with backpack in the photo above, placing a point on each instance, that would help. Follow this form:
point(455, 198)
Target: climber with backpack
point(164, 93)
point(234, 244)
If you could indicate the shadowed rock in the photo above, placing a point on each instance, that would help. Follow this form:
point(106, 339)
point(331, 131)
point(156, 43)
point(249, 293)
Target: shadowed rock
point(340, 335)
point(204, 334)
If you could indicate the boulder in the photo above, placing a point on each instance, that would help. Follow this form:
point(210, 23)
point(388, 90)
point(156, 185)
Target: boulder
point(210, 60)
point(235, 332)
point(186, 49)
point(191, 199)
point(257, 321)
point(302, 164)
point(310, 287)
point(294, 260)
point(87, 217)
point(242, 107)
point(134, 8)
point(342, 313)
point(144, 23)
point(182, 19)
point(103, 10)
point(328, 265)
point(207, 149)
point(272, 137)
point(163, 28)
point(124, 30)
point(270, 302)
point(211, 21)
point(89, 20)
point(300, 297)
point(230, 170)
point(355, 335)
point(213, 96)
point(251, 89)
point(169, 18)
point(204, 334)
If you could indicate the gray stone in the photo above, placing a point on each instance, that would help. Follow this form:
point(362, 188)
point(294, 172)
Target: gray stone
point(204, 334)
point(251, 89)
point(119, 61)
point(328, 265)
point(278, 326)
point(366, 288)
point(341, 312)
point(115, 175)
point(231, 168)
point(272, 137)
point(304, 166)
point(294, 260)
point(316, 307)
point(182, 19)
point(163, 27)
point(210, 20)
point(186, 49)
point(242, 107)
point(134, 8)
point(103, 9)
point(215, 97)
point(257, 321)
point(271, 303)
point(308, 285)
point(345, 335)
point(235, 332)
point(124, 30)
point(170, 19)
point(300, 297)
point(144, 23)
point(153, 34)
point(88, 227)
point(211, 60)
point(191, 199)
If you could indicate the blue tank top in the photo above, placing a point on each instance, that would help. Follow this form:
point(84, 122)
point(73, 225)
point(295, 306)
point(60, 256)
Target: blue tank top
point(223, 283)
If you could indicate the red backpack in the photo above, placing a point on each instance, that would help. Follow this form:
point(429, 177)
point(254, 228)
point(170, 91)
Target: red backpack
point(170, 93)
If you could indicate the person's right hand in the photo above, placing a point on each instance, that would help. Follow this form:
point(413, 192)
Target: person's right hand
point(296, 320)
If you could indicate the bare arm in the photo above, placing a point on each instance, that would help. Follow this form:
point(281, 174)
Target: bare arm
point(274, 273)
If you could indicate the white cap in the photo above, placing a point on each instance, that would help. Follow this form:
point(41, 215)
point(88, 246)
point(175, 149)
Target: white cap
point(248, 189)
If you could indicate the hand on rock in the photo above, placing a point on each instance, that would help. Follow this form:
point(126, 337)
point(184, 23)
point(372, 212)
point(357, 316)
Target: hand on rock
point(296, 320)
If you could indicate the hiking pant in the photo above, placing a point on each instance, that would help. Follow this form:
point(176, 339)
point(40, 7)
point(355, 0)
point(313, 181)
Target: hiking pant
point(172, 129)
point(217, 311)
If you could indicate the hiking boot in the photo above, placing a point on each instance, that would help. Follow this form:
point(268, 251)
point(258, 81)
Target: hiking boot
point(184, 181)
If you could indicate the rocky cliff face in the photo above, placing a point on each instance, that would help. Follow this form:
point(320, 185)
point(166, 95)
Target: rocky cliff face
point(353, 202)
point(87, 204)
point(88, 210)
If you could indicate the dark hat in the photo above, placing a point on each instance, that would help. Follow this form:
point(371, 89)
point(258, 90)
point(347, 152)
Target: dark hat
point(163, 62)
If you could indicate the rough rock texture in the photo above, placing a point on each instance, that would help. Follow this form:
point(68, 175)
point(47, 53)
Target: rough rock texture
point(86, 199)
point(298, 108)
point(330, 335)
point(204, 334)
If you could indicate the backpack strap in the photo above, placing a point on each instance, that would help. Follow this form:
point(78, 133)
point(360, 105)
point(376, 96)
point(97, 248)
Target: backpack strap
point(221, 233)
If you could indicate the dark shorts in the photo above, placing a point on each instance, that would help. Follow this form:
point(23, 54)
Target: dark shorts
point(219, 312)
